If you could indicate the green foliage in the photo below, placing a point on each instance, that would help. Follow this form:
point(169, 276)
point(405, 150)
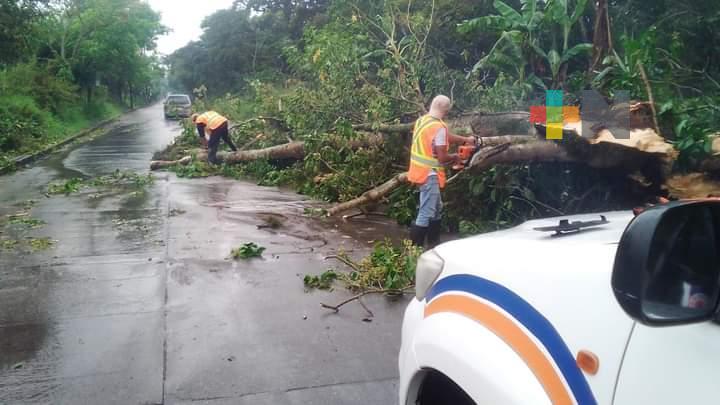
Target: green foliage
point(119, 179)
point(54, 54)
point(196, 169)
point(21, 220)
point(322, 282)
point(247, 251)
point(20, 118)
point(688, 112)
point(17, 36)
point(49, 91)
point(8, 244)
point(387, 267)
point(402, 205)
point(38, 109)
point(28, 244)
point(381, 62)
point(621, 72)
point(25, 221)
point(695, 120)
point(40, 244)
point(121, 31)
point(528, 43)
point(66, 187)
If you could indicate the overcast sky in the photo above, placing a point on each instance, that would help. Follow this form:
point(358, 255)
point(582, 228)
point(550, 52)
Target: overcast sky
point(184, 17)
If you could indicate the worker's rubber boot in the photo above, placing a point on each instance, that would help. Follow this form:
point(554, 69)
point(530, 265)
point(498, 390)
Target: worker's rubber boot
point(417, 235)
point(433, 234)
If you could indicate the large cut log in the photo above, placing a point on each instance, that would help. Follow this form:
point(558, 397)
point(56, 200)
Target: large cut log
point(162, 164)
point(644, 154)
point(505, 139)
point(536, 152)
point(291, 150)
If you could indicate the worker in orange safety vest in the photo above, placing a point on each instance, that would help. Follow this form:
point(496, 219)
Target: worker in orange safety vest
point(212, 127)
point(429, 154)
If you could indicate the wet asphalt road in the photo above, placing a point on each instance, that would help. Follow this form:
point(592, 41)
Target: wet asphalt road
point(137, 302)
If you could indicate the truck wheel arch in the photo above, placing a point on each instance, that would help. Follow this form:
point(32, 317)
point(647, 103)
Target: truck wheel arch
point(435, 388)
point(486, 367)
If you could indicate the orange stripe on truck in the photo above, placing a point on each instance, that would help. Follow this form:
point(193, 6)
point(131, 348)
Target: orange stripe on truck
point(507, 330)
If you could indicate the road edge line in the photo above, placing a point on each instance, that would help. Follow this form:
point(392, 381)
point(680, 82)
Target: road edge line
point(33, 157)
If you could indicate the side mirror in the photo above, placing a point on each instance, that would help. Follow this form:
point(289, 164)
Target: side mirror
point(667, 265)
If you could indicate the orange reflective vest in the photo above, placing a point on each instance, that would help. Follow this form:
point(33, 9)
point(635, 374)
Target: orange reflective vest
point(421, 153)
point(211, 120)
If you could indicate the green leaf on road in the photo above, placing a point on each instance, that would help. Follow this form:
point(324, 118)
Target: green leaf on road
point(247, 251)
point(322, 282)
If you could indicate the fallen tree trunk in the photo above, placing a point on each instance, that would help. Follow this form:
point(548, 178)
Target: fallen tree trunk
point(370, 196)
point(291, 150)
point(475, 121)
point(499, 154)
point(385, 128)
point(505, 139)
point(653, 162)
point(161, 164)
point(535, 152)
point(296, 150)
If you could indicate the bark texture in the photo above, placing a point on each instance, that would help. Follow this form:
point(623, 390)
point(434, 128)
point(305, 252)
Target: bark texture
point(370, 196)
point(162, 164)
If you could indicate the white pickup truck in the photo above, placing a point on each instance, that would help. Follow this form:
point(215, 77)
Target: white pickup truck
point(574, 316)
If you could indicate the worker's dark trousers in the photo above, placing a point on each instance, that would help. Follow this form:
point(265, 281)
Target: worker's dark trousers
point(220, 132)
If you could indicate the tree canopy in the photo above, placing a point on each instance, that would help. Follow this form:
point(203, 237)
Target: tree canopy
point(327, 70)
point(65, 63)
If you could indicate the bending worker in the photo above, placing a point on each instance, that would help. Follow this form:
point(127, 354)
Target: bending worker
point(215, 127)
point(429, 154)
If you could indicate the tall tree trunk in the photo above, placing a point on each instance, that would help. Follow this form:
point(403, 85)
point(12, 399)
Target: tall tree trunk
point(132, 98)
point(602, 36)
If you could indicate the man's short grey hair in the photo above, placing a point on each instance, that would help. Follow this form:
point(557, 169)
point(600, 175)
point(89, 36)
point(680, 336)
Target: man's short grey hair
point(441, 103)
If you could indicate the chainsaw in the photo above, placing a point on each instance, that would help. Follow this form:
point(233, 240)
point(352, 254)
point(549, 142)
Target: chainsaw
point(466, 153)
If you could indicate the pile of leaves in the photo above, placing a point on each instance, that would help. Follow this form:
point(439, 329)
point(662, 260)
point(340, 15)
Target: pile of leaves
point(24, 220)
point(14, 229)
point(125, 179)
point(388, 268)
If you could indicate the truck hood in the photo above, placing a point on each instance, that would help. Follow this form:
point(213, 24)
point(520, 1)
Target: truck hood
point(565, 278)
